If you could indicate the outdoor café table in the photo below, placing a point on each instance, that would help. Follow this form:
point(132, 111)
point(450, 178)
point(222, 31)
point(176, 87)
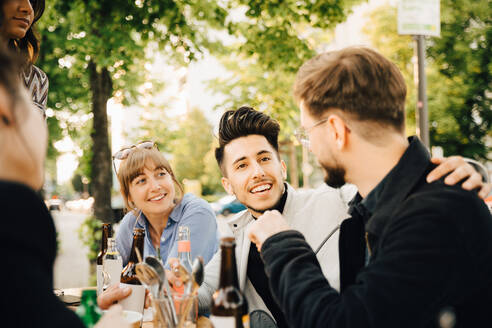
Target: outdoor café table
point(203, 322)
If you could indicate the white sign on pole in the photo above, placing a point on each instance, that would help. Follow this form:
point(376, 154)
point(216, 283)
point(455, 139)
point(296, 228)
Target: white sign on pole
point(419, 17)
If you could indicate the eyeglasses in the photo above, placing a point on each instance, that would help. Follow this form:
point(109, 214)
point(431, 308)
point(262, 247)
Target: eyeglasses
point(123, 153)
point(302, 134)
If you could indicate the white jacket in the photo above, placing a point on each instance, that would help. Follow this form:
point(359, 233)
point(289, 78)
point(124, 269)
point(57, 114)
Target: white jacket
point(315, 213)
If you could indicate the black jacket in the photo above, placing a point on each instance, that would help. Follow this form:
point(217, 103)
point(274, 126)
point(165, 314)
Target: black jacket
point(28, 250)
point(431, 247)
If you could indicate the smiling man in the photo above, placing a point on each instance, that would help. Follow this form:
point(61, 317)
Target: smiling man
point(257, 158)
point(253, 171)
point(428, 245)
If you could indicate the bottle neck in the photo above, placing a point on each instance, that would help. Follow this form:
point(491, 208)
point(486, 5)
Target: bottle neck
point(111, 246)
point(106, 233)
point(137, 244)
point(228, 268)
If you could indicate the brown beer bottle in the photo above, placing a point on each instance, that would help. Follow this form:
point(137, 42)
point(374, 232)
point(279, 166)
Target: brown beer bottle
point(107, 232)
point(129, 275)
point(229, 306)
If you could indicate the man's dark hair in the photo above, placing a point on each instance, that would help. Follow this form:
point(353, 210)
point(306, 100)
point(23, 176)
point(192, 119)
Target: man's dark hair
point(243, 122)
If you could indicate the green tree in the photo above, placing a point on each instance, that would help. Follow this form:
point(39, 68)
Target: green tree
point(271, 43)
point(276, 34)
point(189, 141)
point(381, 31)
point(95, 49)
point(458, 72)
point(463, 55)
point(190, 145)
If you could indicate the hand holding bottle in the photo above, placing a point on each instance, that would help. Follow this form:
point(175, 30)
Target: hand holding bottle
point(116, 293)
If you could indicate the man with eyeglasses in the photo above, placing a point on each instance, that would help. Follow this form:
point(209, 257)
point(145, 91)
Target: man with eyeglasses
point(413, 253)
point(253, 171)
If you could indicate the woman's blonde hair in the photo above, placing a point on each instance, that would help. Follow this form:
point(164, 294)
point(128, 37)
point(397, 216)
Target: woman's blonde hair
point(133, 166)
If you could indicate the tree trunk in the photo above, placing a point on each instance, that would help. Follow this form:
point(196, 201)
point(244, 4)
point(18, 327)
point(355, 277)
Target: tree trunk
point(101, 175)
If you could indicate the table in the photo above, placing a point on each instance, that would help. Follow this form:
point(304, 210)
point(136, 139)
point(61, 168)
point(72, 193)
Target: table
point(203, 322)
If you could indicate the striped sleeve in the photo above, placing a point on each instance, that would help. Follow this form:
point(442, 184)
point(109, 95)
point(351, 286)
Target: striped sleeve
point(36, 81)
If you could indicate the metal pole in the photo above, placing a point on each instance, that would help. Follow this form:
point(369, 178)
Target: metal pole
point(423, 117)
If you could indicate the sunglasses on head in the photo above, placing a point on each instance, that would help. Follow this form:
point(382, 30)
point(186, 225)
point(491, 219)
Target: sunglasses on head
point(123, 153)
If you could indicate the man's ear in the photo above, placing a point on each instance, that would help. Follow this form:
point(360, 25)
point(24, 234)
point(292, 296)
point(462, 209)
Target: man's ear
point(284, 169)
point(227, 185)
point(6, 117)
point(338, 130)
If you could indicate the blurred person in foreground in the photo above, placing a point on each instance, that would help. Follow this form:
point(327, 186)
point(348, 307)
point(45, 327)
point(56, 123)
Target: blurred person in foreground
point(426, 247)
point(253, 171)
point(156, 202)
point(28, 240)
point(17, 32)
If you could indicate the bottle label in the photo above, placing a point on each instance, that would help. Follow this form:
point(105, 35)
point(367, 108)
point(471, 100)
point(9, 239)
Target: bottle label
point(99, 277)
point(136, 300)
point(223, 322)
point(113, 269)
point(184, 246)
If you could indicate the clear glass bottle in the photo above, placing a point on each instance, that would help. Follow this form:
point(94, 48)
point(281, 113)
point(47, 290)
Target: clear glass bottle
point(106, 233)
point(184, 248)
point(112, 264)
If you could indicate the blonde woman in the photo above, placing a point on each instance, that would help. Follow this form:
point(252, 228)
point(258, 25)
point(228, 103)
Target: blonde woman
point(156, 203)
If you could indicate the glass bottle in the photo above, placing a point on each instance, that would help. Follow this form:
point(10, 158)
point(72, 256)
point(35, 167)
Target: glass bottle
point(184, 248)
point(229, 306)
point(135, 301)
point(106, 233)
point(88, 311)
point(112, 264)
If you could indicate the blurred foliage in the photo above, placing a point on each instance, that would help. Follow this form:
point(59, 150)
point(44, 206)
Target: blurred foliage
point(269, 92)
point(90, 233)
point(381, 30)
point(290, 22)
point(459, 75)
point(96, 49)
point(270, 45)
point(190, 146)
point(463, 58)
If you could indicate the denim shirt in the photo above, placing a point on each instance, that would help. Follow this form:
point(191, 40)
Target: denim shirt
point(193, 212)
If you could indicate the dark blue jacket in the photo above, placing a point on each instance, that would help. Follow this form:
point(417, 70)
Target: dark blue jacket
point(28, 250)
point(431, 249)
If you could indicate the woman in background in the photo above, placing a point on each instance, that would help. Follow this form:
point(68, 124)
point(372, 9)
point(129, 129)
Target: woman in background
point(17, 20)
point(156, 202)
